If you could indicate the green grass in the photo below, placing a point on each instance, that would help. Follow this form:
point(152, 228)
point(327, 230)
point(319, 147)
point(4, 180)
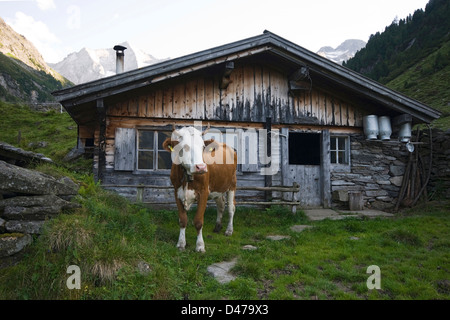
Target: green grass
point(51, 133)
point(108, 238)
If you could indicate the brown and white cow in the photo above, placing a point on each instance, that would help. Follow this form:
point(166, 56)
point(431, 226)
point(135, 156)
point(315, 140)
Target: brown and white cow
point(201, 170)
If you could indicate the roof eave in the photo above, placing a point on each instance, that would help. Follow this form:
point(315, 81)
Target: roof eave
point(134, 79)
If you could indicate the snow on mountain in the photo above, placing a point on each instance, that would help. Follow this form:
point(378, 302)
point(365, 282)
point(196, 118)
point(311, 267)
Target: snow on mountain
point(92, 64)
point(343, 52)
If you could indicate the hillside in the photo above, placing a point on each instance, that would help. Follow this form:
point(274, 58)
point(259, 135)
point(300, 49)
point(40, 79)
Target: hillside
point(424, 82)
point(24, 75)
point(50, 133)
point(412, 56)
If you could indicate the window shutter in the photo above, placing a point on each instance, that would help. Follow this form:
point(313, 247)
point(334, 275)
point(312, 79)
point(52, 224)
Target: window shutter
point(125, 153)
point(249, 150)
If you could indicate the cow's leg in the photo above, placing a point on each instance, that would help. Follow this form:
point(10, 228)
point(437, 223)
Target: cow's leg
point(182, 218)
point(198, 223)
point(220, 202)
point(231, 209)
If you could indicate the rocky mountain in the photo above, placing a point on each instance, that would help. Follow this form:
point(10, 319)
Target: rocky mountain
point(92, 64)
point(343, 52)
point(24, 75)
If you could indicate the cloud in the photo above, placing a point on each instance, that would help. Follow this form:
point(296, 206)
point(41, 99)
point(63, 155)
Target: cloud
point(46, 4)
point(37, 32)
point(74, 19)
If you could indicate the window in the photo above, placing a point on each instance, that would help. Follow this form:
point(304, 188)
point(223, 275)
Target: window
point(244, 142)
point(150, 153)
point(304, 148)
point(339, 150)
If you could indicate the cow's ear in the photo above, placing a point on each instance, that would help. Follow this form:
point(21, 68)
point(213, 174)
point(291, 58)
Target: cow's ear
point(211, 145)
point(169, 144)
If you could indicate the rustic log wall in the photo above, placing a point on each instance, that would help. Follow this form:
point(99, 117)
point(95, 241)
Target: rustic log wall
point(254, 92)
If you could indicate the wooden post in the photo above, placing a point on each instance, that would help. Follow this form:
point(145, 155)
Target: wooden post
point(140, 193)
point(355, 201)
point(101, 148)
point(294, 198)
point(325, 164)
point(268, 178)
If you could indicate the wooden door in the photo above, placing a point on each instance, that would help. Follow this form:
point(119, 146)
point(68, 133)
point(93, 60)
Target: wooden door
point(304, 162)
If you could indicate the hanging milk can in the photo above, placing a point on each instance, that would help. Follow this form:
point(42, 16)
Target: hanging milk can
point(404, 134)
point(384, 128)
point(370, 124)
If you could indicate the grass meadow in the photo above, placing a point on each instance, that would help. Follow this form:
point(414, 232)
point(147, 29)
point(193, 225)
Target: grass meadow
point(127, 251)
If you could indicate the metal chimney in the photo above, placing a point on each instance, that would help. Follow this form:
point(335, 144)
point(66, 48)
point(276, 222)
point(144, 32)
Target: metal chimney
point(119, 58)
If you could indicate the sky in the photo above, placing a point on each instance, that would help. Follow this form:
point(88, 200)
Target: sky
point(173, 28)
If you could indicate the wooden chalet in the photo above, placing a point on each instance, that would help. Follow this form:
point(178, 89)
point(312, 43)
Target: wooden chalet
point(315, 106)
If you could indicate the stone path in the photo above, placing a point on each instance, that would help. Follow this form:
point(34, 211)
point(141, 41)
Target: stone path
point(321, 214)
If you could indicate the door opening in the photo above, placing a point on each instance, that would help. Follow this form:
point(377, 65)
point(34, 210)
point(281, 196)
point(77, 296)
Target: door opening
point(304, 148)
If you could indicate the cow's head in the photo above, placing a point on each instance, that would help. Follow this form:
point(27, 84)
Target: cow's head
point(187, 145)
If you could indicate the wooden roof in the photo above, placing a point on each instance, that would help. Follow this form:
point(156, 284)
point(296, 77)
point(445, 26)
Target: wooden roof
point(80, 100)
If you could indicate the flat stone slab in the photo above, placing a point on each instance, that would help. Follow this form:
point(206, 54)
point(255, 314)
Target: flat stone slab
point(277, 237)
point(249, 247)
point(321, 214)
point(375, 213)
point(221, 271)
point(300, 227)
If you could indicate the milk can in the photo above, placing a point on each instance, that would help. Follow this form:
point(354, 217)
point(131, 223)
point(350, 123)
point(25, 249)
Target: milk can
point(370, 124)
point(404, 135)
point(384, 128)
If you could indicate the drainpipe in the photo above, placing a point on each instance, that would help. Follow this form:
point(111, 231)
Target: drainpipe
point(120, 54)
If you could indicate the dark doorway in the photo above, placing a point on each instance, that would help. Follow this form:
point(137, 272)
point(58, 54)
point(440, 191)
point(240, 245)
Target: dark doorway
point(304, 148)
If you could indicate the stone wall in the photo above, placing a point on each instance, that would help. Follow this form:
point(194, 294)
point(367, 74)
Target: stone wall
point(376, 170)
point(27, 199)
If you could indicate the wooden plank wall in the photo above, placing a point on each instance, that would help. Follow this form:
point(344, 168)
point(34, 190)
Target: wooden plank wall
point(254, 93)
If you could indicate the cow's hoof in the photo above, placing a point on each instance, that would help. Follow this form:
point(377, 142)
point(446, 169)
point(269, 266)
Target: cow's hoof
point(217, 228)
point(200, 249)
point(181, 247)
point(228, 233)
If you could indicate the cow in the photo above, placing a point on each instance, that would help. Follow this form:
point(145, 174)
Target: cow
point(201, 170)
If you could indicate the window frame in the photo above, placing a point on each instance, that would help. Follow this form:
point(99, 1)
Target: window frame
point(336, 166)
point(155, 150)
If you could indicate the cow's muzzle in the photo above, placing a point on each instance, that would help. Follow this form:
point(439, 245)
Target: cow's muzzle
point(201, 168)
